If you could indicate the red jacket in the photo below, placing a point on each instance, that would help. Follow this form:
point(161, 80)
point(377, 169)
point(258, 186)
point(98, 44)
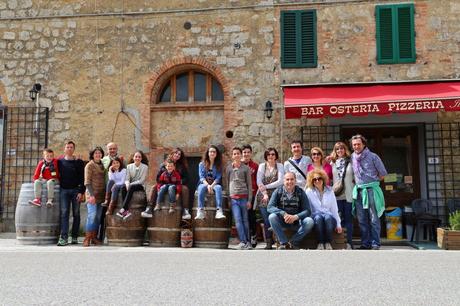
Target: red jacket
point(173, 178)
point(47, 175)
point(254, 167)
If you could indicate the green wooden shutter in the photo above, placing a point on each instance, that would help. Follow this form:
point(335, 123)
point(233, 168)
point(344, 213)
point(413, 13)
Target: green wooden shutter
point(406, 41)
point(288, 39)
point(308, 39)
point(298, 39)
point(385, 35)
point(395, 33)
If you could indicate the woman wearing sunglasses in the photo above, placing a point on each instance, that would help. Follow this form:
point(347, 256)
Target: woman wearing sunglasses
point(324, 208)
point(317, 156)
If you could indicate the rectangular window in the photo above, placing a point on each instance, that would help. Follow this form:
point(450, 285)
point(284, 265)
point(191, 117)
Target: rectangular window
point(298, 39)
point(395, 33)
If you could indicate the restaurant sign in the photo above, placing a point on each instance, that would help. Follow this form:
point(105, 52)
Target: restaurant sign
point(380, 108)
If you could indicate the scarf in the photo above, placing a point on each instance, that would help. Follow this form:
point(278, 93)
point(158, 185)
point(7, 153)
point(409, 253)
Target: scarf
point(340, 166)
point(358, 158)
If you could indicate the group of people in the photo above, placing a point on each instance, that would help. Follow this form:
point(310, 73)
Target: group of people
point(306, 192)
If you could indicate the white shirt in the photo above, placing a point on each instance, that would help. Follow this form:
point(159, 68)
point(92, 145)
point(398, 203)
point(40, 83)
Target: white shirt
point(118, 176)
point(325, 205)
point(303, 164)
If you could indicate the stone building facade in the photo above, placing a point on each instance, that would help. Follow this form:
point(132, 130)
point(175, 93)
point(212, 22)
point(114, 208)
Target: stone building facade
point(105, 65)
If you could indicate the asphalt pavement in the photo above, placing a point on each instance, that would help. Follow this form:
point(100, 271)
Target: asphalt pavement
point(73, 275)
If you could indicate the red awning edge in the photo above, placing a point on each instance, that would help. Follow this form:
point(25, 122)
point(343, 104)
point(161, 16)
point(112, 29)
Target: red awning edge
point(361, 100)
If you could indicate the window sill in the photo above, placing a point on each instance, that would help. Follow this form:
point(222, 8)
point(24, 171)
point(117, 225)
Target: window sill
point(186, 107)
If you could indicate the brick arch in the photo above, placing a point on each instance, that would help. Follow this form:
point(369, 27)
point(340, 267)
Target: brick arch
point(170, 67)
point(154, 84)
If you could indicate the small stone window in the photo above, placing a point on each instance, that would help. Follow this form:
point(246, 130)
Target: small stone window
point(192, 86)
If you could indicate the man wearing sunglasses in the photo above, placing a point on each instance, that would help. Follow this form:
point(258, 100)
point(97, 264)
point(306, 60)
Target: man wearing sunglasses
point(289, 208)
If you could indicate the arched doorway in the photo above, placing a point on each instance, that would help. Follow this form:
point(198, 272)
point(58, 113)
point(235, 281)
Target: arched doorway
point(188, 102)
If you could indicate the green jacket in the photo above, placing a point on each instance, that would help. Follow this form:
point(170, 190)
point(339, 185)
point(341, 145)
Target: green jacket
point(379, 200)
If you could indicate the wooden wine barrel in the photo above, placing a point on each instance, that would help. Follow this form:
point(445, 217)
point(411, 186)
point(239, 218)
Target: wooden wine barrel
point(163, 228)
point(37, 225)
point(211, 232)
point(130, 232)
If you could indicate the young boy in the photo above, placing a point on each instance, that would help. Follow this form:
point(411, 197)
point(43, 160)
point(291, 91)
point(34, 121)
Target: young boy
point(46, 171)
point(239, 187)
point(170, 182)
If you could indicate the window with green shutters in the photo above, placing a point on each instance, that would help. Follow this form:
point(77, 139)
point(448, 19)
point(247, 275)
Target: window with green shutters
point(395, 33)
point(298, 39)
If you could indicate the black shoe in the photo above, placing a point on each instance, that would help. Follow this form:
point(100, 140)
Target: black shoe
point(254, 241)
point(363, 247)
point(269, 245)
point(147, 213)
point(74, 240)
point(292, 246)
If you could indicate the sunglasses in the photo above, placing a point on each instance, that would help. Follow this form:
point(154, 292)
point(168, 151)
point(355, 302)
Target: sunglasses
point(317, 179)
point(315, 154)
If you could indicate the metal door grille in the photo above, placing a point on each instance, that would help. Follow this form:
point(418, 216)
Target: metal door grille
point(25, 135)
point(319, 136)
point(442, 143)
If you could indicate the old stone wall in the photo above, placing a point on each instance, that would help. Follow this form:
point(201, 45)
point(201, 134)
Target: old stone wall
point(95, 60)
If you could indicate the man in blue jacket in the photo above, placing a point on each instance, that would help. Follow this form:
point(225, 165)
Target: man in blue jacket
point(289, 208)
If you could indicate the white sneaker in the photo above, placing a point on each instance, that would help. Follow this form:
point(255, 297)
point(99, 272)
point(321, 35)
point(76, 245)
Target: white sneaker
point(328, 246)
point(199, 214)
point(320, 246)
point(220, 214)
point(186, 215)
point(248, 246)
point(349, 247)
point(241, 246)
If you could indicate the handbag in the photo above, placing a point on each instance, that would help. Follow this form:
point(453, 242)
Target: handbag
point(339, 186)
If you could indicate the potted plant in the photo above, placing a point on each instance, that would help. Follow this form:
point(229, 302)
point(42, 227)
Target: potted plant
point(449, 238)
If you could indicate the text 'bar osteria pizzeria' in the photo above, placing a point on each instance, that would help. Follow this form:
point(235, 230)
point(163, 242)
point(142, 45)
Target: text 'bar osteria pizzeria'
point(362, 100)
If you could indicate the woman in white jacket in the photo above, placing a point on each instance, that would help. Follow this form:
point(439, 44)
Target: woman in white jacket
point(324, 208)
point(269, 176)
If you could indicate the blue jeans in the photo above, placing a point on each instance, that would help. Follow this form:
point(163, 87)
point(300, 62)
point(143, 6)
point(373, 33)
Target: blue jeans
point(369, 222)
point(324, 225)
point(203, 190)
point(115, 191)
point(94, 217)
point(171, 189)
point(67, 198)
point(303, 227)
point(264, 213)
point(240, 214)
point(346, 217)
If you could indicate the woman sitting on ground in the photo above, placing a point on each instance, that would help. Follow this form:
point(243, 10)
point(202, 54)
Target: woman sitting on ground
point(324, 208)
